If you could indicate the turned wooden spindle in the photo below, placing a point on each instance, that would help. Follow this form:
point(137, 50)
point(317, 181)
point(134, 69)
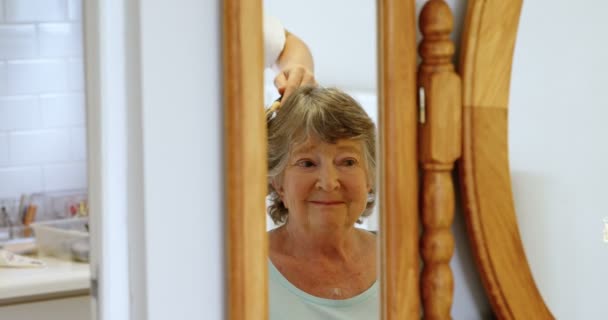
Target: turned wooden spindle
point(440, 146)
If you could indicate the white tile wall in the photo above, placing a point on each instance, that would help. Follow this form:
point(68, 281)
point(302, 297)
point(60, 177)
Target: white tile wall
point(35, 10)
point(3, 148)
point(42, 104)
point(78, 143)
point(2, 78)
point(65, 176)
point(17, 41)
point(75, 10)
point(19, 113)
point(36, 76)
point(1, 10)
point(60, 39)
point(38, 147)
point(63, 110)
point(76, 74)
point(17, 180)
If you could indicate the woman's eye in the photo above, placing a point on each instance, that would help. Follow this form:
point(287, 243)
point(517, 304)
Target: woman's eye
point(305, 163)
point(349, 162)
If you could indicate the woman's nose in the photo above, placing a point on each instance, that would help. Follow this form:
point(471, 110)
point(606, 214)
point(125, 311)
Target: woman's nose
point(328, 179)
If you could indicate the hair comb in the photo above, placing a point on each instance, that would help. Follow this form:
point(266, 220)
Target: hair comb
point(274, 107)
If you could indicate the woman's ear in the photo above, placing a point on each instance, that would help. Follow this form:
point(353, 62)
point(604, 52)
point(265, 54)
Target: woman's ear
point(277, 187)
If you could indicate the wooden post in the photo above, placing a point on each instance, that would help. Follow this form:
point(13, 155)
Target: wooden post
point(440, 146)
point(398, 168)
point(245, 161)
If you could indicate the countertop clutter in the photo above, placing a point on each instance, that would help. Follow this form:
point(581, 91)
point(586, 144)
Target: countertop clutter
point(52, 228)
point(59, 278)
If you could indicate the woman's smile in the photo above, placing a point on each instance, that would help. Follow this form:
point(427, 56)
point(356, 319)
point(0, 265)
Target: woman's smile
point(326, 203)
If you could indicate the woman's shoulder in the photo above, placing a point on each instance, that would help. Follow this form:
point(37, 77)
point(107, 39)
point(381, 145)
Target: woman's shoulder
point(275, 238)
point(277, 250)
point(368, 242)
point(367, 235)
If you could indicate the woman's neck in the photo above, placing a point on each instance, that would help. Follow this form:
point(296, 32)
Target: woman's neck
point(339, 245)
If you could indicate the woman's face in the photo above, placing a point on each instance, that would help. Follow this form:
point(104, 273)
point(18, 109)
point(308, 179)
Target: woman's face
point(325, 186)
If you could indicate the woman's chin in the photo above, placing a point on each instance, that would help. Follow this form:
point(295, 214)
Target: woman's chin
point(329, 223)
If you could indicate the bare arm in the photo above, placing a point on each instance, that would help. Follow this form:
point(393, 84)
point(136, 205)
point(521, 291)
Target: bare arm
point(296, 66)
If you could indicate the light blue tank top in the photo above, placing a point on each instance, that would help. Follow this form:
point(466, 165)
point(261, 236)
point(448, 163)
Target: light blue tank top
point(287, 302)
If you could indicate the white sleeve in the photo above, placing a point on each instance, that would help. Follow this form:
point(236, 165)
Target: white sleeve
point(274, 40)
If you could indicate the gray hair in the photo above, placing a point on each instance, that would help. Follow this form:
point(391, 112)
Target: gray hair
point(326, 113)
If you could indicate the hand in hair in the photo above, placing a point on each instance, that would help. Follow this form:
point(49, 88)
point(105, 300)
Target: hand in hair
point(296, 66)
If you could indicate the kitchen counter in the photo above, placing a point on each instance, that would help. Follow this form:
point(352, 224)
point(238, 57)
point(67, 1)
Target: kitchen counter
point(58, 279)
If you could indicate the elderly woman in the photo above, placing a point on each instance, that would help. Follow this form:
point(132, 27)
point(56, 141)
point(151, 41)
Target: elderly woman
point(321, 164)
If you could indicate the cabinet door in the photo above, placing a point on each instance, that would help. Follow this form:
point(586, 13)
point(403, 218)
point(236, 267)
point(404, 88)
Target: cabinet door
point(75, 308)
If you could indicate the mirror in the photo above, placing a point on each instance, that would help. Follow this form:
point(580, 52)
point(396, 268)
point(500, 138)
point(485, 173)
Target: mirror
point(398, 237)
point(558, 153)
point(321, 260)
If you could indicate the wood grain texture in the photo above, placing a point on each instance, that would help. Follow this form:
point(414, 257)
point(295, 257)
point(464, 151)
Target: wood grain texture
point(440, 137)
point(245, 170)
point(398, 176)
point(486, 58)
point(245, 156)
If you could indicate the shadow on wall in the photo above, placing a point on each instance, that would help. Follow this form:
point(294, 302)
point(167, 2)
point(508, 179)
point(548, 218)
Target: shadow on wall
point(470, 300)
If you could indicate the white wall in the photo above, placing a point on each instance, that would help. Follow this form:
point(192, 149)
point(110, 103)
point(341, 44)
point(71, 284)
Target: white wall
point(42, 117)
point(155, 123)
point(559, 156)
point(341, 35)
point(182, 154)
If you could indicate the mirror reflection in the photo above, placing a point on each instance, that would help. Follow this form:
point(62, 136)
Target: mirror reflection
point(321, 160)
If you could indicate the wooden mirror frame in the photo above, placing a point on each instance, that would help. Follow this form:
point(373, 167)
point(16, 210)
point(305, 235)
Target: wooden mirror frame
point(485, 67)
point(245, 168)
point(486, 57)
